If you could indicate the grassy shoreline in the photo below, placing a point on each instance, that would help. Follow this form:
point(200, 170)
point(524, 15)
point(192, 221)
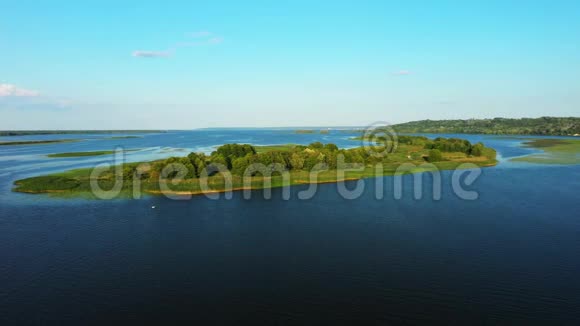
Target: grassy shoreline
point(554, 151)
point(84, 154)
point(80, 154)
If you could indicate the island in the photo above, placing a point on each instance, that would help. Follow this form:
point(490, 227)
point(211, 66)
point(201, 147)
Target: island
point(83, 154)
point(123, 137)
point(554, 151)
point(311, 131)
point(422, 153)
point(555, 126)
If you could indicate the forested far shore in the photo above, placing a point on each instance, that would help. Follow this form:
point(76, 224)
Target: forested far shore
point(554, 126)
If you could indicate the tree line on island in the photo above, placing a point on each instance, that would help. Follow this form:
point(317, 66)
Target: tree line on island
point(237, 158)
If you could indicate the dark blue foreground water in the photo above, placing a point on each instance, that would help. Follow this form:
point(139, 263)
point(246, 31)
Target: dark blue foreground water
point(511, 256)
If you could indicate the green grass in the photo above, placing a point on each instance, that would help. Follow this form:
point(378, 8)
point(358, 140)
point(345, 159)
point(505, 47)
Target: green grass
point(52, 182)
point(83, 154)
point(555, 151)
point(38, 142)
point(282, 148)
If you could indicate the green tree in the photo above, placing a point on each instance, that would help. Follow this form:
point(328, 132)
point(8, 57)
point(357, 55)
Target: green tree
point(477, 149)
point(316, 145)
point(435, 155)
point(296, 161)
point(128, 172)
point(220, 159)
point(199, 162)
point(331, 147)
point(191, 172)
point(235, 150)
point(240, 164)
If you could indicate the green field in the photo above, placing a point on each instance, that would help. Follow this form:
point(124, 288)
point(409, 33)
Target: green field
point(555, 151)
point(270, 148)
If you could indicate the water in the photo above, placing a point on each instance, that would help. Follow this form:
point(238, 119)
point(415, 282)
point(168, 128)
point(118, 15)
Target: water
point(509, 257)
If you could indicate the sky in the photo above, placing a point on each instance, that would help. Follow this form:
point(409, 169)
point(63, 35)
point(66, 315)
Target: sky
point(199, 64)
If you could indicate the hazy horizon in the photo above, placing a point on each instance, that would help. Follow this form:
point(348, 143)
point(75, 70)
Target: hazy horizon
point(267, 127)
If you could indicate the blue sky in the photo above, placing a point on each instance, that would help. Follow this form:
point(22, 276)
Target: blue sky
point(191, 64)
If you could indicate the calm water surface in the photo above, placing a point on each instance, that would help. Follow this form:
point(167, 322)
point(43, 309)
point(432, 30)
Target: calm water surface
point(512, 256)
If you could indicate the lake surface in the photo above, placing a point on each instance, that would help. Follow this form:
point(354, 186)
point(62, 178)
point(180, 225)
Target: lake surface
point(511, 256)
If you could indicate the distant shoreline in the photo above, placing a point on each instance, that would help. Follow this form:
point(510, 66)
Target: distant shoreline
point(542, 126)
point(8, 133)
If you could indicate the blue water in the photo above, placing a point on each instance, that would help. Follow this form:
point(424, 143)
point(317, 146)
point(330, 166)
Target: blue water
point(511, 256)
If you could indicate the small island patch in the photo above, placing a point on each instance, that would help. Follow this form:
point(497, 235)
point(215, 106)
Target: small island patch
point(83, 154)
point(554, 151)
point(38, 142)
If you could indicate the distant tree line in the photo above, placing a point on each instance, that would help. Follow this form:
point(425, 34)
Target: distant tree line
point(567, 126)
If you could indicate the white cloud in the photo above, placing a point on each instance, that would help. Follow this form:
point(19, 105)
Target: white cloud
point(151, 54)
point(402, 73)
point(7, 90)
point(204, 38)
point(13, 97)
